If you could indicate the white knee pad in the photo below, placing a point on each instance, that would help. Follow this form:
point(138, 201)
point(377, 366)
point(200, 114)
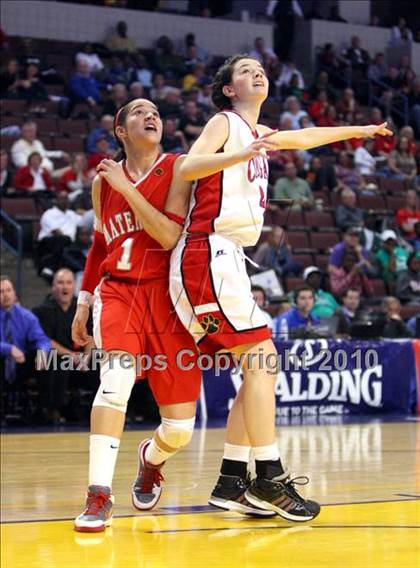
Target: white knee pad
point(116, 385)
point(176, 433)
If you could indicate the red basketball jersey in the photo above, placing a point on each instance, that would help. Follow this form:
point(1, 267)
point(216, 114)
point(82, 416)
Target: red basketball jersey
point(132, 253)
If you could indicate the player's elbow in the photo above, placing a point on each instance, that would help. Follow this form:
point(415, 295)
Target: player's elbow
point(171, 238)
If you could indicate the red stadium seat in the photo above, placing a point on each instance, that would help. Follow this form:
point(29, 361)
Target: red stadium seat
point(324, 241)
point(303, 259)
point(20, 207)
point(298, 240)
point(72, 127)
point(379, 288)
point(319, 219)
point(13, 106)
point(293, 283)
point(321, 261)
point(395, 202)
point(6, 142)
point(372, 202)
point(69, 144)
point(391, 185)
point(290, 218)
point(46, 125)
point(408, 312)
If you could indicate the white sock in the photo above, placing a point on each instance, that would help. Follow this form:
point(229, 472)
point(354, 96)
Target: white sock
point(264, 453)
point(155, 455)
point(236, 453)
point(102, 459)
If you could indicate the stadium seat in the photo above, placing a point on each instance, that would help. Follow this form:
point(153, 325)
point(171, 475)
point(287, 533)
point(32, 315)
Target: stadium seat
point(6, 142)
point(408, 312)
point(304, 259)
point(72, 127)
point(69, 144)
point(22, 208)
point(46, 125)
point(319, 219)
point(298, 240)
point(379, 288)
point(321, 261)
point(13, 106)
point(372, 202)
point(391, 185)
point(293, 283)
point(324, 241)
point(395, 202)
point(289, 218)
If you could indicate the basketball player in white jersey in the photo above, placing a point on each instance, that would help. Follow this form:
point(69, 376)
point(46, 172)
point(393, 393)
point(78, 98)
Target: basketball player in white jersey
point(210, 287)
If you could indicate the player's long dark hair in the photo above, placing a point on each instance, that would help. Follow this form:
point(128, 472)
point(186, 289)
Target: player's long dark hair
point(119, 120)
point(224, 77)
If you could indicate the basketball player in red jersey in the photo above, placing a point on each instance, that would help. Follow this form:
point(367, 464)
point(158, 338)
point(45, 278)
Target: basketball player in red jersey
point(128, 270)
point(226, 213)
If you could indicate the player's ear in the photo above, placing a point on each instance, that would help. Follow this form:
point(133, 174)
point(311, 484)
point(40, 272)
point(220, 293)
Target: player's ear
point(228, 91)
point(120, 132)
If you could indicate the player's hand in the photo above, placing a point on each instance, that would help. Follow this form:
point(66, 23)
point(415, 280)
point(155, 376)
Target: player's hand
point(79, 332)
point(258, 148)
point(373, 130)
point(113, 173)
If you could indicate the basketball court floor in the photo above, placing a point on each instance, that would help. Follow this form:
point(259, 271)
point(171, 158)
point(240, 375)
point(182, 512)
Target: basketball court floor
point(367, 476)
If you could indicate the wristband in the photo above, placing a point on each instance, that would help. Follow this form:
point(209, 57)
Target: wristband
point(84, 299)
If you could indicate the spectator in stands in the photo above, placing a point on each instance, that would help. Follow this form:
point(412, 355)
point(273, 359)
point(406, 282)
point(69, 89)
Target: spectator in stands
point(325, 304)
point(364, 159)
point(408, 282)
point(135, 91)
point(275, 254)
point(21, 336)
point(58, 229)
point(264, 54)
point(204, 99)
point(349, 244)
point(30, 86)
point(401, 163)
point(300, 317)
point(293, 111)
point(170, 106)
point(192, 121)
point(173, 140)
point(356, 55)
point(321, 176)
point(83, 87)
point(160, 89)
point(409, 215)
point(347, 105)
point(399, 31)
point(166, 60)
point(199, 53)
point(28, 143)
point(74, 255)
point(76, 177)
point(332, 63)
point(33, 177)
point(413, 324)
point(319, 107)
point(377, 69)
point(371, 237)
point(119, 41)
point(140, 71)
point(350, 305)
point(116, 71)
point(347, 213)
point(292, 89)
point(9, 79)
point(117, 99)
point(103, 151)
point(105, 129)
point(292, 187)
point(56, 315)
point(90, 57)
point(322, 83)
point(350, 275)
point(414, 106)
point(347, 175)
point(415, 243)
point(391, 258)
point(408, 132)
point(261, 300)
point(6, 188)
point(394, 327)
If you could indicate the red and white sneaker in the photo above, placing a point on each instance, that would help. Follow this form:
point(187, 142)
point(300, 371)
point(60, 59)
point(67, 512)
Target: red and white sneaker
point(147, 489)
point(98, 513)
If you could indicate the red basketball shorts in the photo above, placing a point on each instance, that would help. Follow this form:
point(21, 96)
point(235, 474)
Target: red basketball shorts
point(211, 292)
point(139, 319)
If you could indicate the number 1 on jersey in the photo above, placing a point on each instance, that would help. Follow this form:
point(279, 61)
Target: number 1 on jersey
point(124, 262)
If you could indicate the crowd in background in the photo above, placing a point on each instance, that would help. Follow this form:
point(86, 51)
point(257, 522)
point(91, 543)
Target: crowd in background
point(331, 299)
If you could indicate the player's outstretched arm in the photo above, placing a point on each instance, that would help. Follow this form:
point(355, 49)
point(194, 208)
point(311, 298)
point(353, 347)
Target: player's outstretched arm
point(158, 225)
point(204, 157)
point(318, 136)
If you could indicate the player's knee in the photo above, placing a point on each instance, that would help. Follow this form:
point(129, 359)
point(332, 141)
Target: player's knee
point(176, 433)
point(116, 385)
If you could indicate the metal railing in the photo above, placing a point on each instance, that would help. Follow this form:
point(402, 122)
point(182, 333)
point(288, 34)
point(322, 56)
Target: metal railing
point(373, 98)
point(12, 238)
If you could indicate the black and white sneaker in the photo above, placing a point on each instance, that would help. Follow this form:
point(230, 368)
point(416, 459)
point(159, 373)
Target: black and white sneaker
point(229, 494)
point(280, 496)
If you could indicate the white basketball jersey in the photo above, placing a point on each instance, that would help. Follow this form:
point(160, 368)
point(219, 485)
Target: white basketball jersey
point(232, 203)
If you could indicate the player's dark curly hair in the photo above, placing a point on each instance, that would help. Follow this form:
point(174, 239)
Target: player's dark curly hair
point(224, 77)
